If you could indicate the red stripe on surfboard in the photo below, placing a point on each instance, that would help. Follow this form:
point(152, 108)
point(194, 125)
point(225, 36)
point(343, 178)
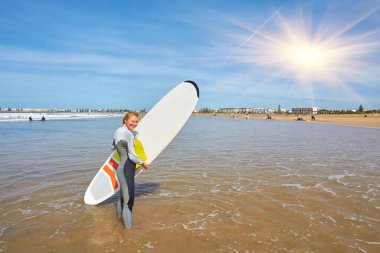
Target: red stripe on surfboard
point(109, 172)
point(113, 164)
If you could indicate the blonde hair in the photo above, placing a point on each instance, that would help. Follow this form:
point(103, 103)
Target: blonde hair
point(129, 114)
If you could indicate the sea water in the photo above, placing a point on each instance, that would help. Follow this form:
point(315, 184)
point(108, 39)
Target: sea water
point(222, 185)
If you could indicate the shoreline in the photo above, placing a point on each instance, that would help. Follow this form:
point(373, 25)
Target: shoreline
point(372, 120)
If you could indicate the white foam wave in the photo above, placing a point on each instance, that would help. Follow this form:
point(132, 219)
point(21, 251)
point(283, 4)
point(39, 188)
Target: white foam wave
point(340, 176)
point(371, 243)
point(285, 205)
point(329, 218)
point(215, 189)
point(150, 245)
point(325, 189)
point(58, 232)
point(191, 226)
point(5, 117)
point(3, 246)
point(298, 186)
point(166, 194)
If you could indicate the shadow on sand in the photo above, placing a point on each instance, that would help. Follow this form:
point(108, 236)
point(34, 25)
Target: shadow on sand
point(145, 188)
point(141, 189)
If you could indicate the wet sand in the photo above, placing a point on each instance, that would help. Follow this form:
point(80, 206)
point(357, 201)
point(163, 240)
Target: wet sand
point(372, 120)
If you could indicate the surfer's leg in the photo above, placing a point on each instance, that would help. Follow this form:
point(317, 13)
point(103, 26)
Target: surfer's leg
point(124, 194)
point(129, 176)
point(129, 173)
point(120, 206)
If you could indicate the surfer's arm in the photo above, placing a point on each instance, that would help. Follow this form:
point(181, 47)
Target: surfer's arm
point(131, 150)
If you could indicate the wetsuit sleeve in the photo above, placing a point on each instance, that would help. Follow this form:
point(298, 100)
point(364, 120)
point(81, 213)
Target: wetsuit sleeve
point(131, 150)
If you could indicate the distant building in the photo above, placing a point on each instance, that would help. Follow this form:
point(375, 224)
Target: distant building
point(305, 110)
point(249, 110)
point(263, 110)
point(235, 110)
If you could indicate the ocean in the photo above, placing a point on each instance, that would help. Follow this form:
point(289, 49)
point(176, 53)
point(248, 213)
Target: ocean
point(222, 185)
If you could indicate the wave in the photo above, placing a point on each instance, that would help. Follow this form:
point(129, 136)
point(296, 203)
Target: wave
point(6, 117)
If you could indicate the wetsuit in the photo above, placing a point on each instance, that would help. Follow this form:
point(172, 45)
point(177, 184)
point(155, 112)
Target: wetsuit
point(124, 143)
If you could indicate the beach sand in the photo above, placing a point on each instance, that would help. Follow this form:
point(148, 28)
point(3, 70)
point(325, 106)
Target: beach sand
point(372, 120)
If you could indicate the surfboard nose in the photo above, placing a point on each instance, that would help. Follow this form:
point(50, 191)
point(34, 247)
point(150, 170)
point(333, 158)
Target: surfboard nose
point(195, 85)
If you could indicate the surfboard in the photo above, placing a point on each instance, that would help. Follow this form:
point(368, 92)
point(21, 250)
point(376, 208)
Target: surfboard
point(155, 131)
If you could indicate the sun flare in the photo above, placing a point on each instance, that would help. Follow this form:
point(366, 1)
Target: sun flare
point(326, 54)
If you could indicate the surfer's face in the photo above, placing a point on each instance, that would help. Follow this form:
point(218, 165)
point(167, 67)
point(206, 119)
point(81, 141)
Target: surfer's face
point(132, 123)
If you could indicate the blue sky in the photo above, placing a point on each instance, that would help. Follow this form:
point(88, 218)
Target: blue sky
point(128, 54)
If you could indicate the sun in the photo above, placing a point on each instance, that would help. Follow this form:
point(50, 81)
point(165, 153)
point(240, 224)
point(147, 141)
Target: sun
point(309, 56)
point(306, 59)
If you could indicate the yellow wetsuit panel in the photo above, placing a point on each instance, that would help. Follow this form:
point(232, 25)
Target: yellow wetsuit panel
point(140, 152)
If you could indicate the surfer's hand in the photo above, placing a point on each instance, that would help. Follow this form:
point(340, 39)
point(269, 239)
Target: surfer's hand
point(145, 165)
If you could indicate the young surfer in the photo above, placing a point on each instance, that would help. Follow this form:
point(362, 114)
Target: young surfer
point(123, 141)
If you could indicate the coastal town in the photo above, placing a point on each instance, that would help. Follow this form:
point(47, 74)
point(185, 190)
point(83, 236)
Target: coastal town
point(227, 110)
point(293, 110)
point(358, 117)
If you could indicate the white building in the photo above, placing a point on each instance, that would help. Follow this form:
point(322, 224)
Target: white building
point(235, 110)
point(264, 110)
point(305, 110)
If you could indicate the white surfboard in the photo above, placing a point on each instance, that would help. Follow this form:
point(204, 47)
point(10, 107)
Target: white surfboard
point(155, 131)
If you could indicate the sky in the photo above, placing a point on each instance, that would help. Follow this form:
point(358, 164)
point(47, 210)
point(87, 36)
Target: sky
point(128, 54)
